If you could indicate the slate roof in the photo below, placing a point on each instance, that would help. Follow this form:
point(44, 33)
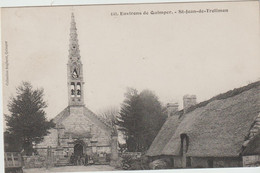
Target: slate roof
point(92, 116)
point(215, 128)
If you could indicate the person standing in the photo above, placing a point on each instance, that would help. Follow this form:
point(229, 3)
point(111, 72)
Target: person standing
point(72, 159)
point(78, 160)
point(86, 160)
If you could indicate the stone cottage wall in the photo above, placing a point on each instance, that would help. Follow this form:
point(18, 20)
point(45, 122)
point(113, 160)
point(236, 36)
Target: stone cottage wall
point(199, 162)
point(227, 162)
point(251, 161)
point(177, 161)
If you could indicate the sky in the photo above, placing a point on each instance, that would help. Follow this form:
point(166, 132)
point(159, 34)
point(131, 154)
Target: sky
point(172, 55)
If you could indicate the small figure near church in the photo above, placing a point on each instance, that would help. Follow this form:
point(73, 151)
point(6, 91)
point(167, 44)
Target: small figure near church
point(86, 160)
point(82, 160)
point(72, 159)
point(78, 160)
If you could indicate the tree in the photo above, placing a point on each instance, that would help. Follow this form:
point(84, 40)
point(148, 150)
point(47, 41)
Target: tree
point(153, 117)
point(11, 144)
point(109, 116)
point(27, 122)
point(141, 117)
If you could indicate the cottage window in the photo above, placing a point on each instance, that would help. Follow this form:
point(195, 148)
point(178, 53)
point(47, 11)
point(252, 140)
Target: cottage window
point(210, 163)
point(172, 162)
point(188, 162)
point(184, 143)
point(184, 149)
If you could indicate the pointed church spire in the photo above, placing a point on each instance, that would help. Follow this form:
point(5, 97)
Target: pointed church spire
point(74, 53)
point(75, 69)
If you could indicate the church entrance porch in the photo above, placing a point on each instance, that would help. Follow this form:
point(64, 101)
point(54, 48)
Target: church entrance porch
point(79, 157)
point(78, 150)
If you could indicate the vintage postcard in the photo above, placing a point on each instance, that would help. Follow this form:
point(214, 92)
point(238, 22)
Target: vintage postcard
point(131, 87)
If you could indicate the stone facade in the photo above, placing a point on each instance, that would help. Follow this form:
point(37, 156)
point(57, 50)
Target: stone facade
point(81, 129)
point(79, 134)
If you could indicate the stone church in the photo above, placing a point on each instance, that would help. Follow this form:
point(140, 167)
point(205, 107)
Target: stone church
point(78, 131)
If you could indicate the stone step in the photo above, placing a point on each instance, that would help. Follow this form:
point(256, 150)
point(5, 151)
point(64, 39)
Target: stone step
point(62, 161)
point(59, 163)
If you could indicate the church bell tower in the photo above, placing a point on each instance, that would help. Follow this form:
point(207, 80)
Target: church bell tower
point(74, 69)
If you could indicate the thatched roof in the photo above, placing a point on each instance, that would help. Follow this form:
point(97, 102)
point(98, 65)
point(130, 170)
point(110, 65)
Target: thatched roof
point(216, 128)
point(164, 136)
point(253, 147)
point(250, 147)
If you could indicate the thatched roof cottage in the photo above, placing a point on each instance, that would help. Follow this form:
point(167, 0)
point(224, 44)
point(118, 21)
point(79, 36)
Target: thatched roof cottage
point(211, 133)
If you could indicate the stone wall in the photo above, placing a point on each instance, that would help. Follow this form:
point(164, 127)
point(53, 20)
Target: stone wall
point(50, 140)
point(198, 162)
point(80, 124)
point(177, 162)
point(34, 161)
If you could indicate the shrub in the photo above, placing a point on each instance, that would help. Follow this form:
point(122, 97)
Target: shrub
point(131, 162)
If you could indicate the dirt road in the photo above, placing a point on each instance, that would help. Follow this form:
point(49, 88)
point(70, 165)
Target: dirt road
point(71, 169)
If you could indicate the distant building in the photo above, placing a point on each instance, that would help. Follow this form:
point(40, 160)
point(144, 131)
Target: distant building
point(211, 133)
point(78, 131)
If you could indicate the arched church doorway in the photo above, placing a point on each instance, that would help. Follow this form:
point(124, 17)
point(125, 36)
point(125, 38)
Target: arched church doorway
point(78, 150)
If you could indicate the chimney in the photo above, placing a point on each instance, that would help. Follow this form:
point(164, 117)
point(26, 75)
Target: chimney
point(172, 108)
point(188, 101)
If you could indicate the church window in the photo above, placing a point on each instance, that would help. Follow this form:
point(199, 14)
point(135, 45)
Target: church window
point(72, 87)
point(78, 89)
point(94, 149)
point(75, 73)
